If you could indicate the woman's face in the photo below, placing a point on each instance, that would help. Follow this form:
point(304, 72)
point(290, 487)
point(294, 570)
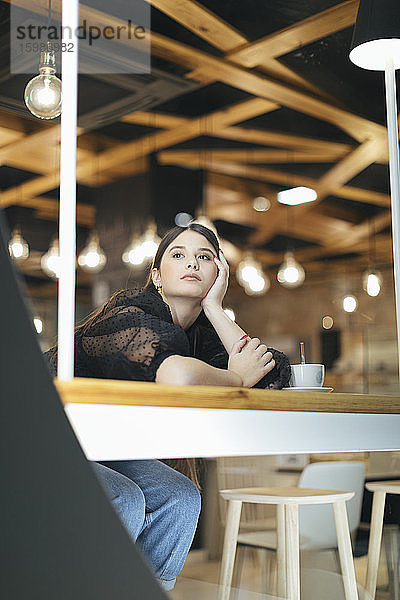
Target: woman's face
point(187, 266)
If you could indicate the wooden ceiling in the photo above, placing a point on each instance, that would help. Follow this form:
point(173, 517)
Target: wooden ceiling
point(251, 122)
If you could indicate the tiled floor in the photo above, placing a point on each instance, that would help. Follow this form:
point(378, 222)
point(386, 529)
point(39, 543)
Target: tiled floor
point(199, 579)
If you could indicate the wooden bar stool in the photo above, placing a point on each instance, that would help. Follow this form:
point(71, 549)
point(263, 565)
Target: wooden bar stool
point(380, 489)
point(288, 554)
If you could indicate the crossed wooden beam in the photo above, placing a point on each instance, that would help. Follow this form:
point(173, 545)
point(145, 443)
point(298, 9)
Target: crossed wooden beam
point(273, 86)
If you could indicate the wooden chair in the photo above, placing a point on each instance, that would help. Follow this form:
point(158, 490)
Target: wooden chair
point(287, 501)
point(380, 489)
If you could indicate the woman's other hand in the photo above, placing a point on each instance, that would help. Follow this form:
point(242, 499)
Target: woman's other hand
point(250, 360)
point(217, 291)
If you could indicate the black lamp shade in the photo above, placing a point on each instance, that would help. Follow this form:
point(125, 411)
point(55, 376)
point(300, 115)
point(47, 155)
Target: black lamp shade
point(376, 34)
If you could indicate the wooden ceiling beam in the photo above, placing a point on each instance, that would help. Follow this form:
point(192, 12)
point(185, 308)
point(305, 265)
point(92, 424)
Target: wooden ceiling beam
point(274, 176)
point(348, 167)
point(8, 136)
point(223, 36)
point(297, 35)
point(255, 156)
point(202, 22)
point(49, 136)
point(257, 136)
point(282, 140)
point(228, 193)
point(159, 120)
point(340, 244)
point(358, 127)
point(136, 150)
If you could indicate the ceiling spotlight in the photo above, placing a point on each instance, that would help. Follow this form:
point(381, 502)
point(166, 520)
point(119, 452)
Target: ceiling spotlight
point(297, 195)
point(291, 273)
point(372, 282)
point(92, 258)
point(349, 303)
point(17, 246)
point(327, 322)
point(183, 219)
point(43, 93)
point(261, 204)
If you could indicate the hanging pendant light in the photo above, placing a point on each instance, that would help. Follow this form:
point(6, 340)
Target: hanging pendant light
point(43, 93)
point(17, 246)
point(247, 269)
point(133, 254)
point(257, 285)
point(150, 241)
point(291, 273)
point(51, 262)
point(250, 276)
point(372, 282)
point(92, 258)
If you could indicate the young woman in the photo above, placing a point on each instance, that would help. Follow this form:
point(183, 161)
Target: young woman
point(174, 331)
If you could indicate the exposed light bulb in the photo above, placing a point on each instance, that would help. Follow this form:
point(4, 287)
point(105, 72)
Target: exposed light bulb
point(51, 261)
point(150, 241)
point(133, 254)
point(372, 283)
point(291, 273)
point(256, 285)
point(349, 303)
point(247, 268)
point(230, 313)
point(17, 246)
point(43, 93)
point(249, 273)
point(92, 258)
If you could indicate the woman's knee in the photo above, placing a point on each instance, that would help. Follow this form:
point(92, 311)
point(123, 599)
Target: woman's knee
point(186, 497)
point(126, 497)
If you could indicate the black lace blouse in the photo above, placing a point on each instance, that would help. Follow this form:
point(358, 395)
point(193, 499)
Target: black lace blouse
point(134, 333)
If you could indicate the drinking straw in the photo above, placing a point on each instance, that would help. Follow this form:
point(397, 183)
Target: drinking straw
point(302, 354)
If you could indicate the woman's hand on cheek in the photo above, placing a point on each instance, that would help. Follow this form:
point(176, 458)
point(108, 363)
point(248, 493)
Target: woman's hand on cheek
point(217, 291)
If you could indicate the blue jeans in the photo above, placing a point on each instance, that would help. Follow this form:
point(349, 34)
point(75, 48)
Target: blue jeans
point(159, 508)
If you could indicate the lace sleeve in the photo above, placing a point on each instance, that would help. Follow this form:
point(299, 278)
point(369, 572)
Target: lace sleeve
point(128, 343)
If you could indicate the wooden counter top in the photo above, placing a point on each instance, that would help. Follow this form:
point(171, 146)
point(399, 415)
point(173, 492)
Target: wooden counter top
point(116, 392)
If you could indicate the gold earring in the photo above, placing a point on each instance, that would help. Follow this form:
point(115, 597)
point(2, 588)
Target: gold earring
point(158, 287)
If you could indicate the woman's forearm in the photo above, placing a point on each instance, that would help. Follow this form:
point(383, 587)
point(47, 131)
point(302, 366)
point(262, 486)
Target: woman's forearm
point(184, 370)
point(228, 331)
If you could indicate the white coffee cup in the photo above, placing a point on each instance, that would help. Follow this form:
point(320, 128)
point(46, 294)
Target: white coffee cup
point(307, 375)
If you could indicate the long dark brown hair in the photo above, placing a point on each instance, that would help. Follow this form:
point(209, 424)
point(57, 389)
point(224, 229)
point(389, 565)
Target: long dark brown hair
point(187, 466)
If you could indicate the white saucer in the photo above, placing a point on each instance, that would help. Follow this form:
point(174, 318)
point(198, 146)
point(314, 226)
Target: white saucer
point(308, 389)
